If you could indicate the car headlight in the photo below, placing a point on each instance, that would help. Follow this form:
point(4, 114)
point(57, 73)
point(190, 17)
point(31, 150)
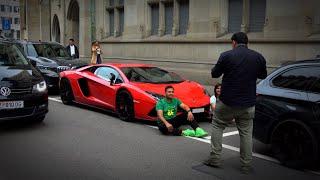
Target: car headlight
point(156, 96)
point(40, 87)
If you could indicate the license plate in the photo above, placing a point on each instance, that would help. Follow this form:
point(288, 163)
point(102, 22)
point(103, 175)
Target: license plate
point(198, 110)
point(11, 104)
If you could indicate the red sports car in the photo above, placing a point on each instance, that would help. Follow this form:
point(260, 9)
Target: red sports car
point(130, 90)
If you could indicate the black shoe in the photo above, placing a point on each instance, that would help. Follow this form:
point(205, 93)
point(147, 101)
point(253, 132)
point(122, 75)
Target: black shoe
point(246, 169)
point(212, 163)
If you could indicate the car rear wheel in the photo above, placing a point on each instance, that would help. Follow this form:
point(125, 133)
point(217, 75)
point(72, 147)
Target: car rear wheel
point(124, 106)
point(294, 144)
point(66, 93)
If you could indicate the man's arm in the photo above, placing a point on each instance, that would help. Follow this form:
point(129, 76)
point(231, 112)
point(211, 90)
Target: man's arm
point(217, 70)
point(262, 73)
point(164, 121)
point(186, 108)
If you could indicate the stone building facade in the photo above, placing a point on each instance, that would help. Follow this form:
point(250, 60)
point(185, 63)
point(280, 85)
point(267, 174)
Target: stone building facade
point(186, 36)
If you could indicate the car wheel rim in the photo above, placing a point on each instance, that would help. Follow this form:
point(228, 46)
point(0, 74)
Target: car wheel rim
point(292, 143)
point(65, 92)
point(124, 107)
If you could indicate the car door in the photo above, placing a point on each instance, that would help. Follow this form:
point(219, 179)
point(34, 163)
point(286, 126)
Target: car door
point(101, 88)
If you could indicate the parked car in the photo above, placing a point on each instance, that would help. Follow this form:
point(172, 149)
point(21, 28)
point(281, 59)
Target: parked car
point(50, 58)
point(130, 90)
point(288, 113)
point(23, 91)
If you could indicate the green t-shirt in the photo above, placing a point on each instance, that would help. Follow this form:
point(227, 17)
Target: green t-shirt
point(169, 109)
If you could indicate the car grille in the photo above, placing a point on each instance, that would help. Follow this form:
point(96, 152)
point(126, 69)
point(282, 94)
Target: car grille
point(62, 68)
point(18, 91)
point(8, 113)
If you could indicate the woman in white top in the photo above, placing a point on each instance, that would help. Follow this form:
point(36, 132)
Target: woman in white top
point(215, 97)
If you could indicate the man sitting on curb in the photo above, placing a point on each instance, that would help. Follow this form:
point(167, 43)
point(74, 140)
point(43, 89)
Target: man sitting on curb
point(168, 122)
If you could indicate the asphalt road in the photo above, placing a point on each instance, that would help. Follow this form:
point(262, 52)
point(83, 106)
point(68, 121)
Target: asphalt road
point(79, 143)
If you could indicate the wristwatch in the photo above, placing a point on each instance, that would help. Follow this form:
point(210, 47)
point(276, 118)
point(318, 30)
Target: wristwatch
point(189, 110)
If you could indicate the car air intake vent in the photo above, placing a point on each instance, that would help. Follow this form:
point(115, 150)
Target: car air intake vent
point(62, 68)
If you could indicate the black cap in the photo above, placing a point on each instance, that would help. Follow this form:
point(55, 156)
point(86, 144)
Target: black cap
point(240, 38)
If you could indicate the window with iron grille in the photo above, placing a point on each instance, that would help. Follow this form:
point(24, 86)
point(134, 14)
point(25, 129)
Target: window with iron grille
point(183, 16)
point(154, 19)
point(111, 22)
point(168, 18)
point(235, 15)
point(257, 15)
point(121, 20)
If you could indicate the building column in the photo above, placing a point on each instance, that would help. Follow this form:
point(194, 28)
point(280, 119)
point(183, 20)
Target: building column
point(245, 16)
point(175, 28)
point(84, 29)
point(161, 19)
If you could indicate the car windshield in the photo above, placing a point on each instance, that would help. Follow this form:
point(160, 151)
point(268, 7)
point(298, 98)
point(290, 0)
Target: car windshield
point(10, 55)
point(42, 50)
point(150, 75)
point(60, 51)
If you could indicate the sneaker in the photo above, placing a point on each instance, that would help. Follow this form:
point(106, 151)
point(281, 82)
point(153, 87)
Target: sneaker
point(212, 163)
point(188, 132)
point(200, 132)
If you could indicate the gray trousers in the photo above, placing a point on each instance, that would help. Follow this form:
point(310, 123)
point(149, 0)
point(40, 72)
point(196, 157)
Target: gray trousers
point(244, 122)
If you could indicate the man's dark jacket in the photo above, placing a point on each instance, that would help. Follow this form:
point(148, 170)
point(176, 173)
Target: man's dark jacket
point(241, 67)
point(76, 51)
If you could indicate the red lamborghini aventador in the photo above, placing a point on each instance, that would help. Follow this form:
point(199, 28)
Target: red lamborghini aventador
point(130, 90)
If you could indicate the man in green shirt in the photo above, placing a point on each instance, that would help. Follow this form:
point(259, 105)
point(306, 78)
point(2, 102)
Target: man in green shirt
point(168, 122)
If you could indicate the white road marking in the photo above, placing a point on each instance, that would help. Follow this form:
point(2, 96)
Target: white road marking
point(55, 99)
point(230, 133)
point(208, 141)
point(314, 172)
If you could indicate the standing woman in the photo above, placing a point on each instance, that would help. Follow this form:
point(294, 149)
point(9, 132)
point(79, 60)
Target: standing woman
point(96, 52)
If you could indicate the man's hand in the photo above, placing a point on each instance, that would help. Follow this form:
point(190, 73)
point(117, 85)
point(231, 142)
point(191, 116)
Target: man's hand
point(169, 127)
point(190, 116)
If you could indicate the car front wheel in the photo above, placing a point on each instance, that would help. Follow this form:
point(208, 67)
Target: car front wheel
point(124, 106)
point(66, 93)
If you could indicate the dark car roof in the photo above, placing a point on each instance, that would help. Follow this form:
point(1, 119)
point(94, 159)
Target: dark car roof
point(36, 42)
point(303, 62)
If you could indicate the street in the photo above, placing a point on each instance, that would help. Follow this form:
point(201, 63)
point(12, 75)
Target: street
point(79, 143)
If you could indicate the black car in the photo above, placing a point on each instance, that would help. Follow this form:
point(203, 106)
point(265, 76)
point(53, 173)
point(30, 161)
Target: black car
point(288, 113)
point(50, 58)
point(23, 91)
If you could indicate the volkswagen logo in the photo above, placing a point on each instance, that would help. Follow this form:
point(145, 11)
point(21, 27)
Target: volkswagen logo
point(5, 91)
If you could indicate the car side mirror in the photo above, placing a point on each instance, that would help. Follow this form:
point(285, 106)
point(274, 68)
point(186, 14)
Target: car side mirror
point(113, 77)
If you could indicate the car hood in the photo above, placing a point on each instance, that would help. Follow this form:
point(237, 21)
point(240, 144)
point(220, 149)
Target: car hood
point(189, 92)
point(19, 77)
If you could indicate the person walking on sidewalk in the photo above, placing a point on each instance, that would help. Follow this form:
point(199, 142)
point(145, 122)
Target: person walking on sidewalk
point(169, 123)
point(240, 67)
